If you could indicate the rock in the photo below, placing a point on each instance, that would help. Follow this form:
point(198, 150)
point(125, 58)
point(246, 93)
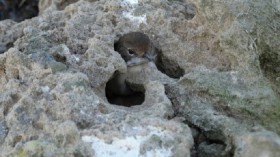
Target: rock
point(144, 138)
point(257, 144)
point(3, 131)
point(218, 72)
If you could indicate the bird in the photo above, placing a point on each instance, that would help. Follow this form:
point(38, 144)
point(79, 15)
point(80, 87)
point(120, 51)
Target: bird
point(135, 48)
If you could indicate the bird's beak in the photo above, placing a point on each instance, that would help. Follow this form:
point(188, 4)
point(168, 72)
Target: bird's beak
point(151, 56)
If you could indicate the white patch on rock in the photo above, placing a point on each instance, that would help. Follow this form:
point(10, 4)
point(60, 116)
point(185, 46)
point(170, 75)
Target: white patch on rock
point(137, 19)
point(131, 2)
point(131, 5)
point(65, 49)
point(97, 101)
point(74, 58)
point(45, 89)
point(82, 112)
point(130, 145)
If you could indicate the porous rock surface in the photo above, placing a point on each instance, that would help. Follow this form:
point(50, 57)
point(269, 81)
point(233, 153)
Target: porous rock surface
point(223, 101)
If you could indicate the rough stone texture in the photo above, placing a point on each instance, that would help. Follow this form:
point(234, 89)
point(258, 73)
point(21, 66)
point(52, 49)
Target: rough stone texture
point(54, 69)
point(258, 144)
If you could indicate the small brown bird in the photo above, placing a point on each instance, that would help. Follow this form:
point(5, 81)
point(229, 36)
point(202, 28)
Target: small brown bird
point(135, 48)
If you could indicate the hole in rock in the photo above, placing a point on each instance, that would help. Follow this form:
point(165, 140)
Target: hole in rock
point(168, 67)
point(18, 10)
point(270, 65)
point(4, 47)
point(208, 143)
point(9, 45)
point(120, 92)
point(59, 58)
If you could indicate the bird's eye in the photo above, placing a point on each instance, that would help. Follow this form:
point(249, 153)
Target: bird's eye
point(131, 52)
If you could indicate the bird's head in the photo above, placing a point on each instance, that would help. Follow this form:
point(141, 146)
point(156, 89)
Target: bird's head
point(136, 48)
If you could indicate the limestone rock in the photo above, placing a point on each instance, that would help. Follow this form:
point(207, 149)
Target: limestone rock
point(216, 79)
